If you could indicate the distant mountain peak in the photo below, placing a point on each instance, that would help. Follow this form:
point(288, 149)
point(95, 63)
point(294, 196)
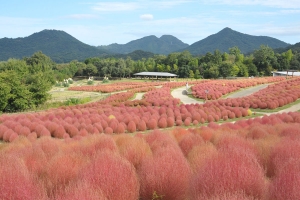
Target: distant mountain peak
point(164, 45)
point(58, 45)
point(227, 38)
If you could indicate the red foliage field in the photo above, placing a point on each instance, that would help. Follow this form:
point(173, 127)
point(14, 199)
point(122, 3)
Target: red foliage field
point(274, 96)
point(218, 88)
point(155, 148)
point(234, 162)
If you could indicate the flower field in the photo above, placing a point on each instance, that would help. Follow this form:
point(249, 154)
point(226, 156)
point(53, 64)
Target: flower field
point(218, 88)
point(155, 148)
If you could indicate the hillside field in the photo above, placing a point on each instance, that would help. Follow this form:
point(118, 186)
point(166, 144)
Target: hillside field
point(159, 145)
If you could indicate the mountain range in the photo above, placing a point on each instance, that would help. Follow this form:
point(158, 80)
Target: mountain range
point(166, 44)
point(62, 47)
point(228, 38)
point(58, 45)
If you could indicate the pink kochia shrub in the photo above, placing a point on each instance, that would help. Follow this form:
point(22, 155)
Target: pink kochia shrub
point(228, 161)
point(228, 173)
point(16, 182)
point(167, 173)
point(113, 175)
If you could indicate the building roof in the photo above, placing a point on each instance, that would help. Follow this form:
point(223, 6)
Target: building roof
point(166, 74)
point(291, 73)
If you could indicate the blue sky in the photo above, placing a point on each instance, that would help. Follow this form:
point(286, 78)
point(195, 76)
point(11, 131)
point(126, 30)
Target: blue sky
point(97, 22)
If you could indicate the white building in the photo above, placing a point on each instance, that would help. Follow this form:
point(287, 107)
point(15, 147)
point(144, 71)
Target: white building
point(285, 73)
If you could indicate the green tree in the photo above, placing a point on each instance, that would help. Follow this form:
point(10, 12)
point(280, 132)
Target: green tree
point(243, 70)
point(225, 69)
point(174, 69)
point(234, 51)
point(212, 72)
point(217, 59)
point(234, 70)
point(263, 59)
point(197, 74)
point(38, 85)
point(15, 96)
point(90, 69)
point(183, 71)
point(191, 74)
point(4, 94)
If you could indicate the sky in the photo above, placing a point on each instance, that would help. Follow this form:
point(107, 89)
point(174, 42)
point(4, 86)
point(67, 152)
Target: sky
point(97, 22)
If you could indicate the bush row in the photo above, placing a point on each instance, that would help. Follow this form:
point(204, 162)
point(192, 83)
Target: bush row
point(249, 159)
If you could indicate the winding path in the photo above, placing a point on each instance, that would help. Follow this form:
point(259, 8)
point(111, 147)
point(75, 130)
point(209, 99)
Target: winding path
point(180, 93)
point(247, 91)
point(139, 96)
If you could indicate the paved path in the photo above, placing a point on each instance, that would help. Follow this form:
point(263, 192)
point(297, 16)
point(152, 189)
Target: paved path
point(291, 109)
point(180, 93)
point(139, 96)
point(247, 91)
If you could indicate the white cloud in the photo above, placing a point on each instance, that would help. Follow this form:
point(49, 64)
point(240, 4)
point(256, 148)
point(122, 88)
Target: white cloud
point(146, 17)
point(269, 29)
point(134, 5)
point(269, 3)
point(17, 21)
point(83, 16)
point(115, 6)
point(167, 4)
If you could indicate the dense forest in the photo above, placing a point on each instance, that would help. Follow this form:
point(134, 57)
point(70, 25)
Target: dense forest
point(25, 82)
point(212, 65)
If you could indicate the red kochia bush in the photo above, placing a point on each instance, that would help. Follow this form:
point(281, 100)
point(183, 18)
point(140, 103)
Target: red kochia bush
point(189, 141)
point(283, 153)
point(229, 172)
point(63, 169)
point(108, 130)
point(162, 122)
point(286, 184)
point(79, 191)
point(170, 121)
point(7, 134)
point(152, 124)
point(166, 174)
point(59, 132)
point(16, 182)
point(142, 125)
point(112, 174)
point(131, 127)
point(134, 149)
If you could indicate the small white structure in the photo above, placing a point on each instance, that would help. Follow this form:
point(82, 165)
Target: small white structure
point(285, 73)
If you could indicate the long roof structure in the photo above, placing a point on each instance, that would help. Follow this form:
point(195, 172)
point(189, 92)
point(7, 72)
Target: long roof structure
point(165, 74)
point(284, 73)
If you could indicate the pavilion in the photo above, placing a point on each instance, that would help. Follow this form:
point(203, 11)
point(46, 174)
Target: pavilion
point(155, 75)
point(286, 73)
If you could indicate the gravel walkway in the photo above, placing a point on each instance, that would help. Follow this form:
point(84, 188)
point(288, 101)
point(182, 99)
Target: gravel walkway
point(139, 96)
point(180, 93)
point(247, 91)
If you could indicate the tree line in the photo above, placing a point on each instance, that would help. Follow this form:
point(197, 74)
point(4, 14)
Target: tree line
point(211, 65)
point(25, 82)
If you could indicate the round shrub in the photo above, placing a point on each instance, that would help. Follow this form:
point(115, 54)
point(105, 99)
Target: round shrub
point(131, 127)
point(162, 123)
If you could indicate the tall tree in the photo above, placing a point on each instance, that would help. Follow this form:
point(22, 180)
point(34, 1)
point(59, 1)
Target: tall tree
point(225, 69)
point(90, 69)
point(263, 59)
point(184, 71)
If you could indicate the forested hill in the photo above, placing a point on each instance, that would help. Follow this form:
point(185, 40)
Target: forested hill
point(228, 38)
point(295, 48)
point(58, 45)
point(166, 44)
